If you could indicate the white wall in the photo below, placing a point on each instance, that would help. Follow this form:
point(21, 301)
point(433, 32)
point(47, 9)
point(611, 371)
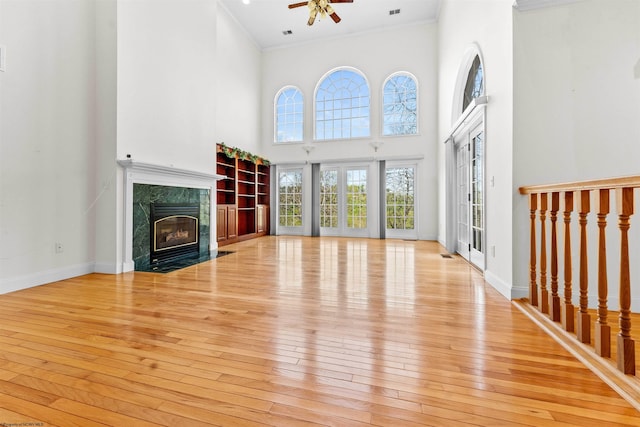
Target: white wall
point(47, 152)
point(577, 104)
point(167, 82)
point(377, 55)
point(239, 104)
point(487, 26)
point(108, 180)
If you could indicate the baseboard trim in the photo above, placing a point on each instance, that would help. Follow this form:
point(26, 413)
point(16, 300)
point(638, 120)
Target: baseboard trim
point(107, 268)
point(44, 277)
point(500, 285)
point(627, 386)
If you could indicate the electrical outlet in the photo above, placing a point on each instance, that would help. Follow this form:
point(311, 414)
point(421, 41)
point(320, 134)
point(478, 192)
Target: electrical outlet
point(59, 248)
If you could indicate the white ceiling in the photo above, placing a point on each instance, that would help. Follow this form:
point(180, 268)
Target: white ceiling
point(265, 20)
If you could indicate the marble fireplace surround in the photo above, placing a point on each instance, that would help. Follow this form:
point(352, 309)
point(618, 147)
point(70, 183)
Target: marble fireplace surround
point(136, 172)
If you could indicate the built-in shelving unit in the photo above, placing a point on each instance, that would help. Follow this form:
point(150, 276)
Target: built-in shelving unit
point(243, 197)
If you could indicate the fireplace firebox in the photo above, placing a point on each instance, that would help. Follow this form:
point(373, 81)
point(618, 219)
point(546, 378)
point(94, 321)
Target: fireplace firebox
point(175, 231)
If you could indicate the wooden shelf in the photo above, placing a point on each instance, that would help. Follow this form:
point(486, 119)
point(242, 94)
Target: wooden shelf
point(243, 199)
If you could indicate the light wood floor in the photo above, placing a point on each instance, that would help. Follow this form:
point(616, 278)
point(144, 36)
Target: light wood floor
point(290, 331)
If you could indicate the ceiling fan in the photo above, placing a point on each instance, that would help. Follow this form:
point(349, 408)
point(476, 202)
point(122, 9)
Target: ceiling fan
point(322, 7)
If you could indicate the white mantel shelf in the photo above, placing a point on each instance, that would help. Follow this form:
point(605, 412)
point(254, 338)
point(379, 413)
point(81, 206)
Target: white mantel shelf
point(136, 172)
point(168, 171)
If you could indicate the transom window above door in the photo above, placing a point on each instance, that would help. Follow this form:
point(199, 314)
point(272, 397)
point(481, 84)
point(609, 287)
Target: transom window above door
point(342, 106)
point(475, 83)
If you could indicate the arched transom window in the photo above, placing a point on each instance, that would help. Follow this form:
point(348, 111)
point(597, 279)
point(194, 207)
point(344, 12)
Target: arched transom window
point(289, 119)
point(342, 106)
point(400, 105)
point(475, 83)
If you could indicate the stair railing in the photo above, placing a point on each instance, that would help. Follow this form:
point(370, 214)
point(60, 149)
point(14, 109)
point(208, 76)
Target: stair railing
point(544, 202)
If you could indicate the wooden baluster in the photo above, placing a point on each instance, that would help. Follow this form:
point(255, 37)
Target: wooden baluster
point(626, 346)
point(567, 308)
point(602, 329)
point(554, 298)
point(583, 328)
point(533, 287)
point(544, 293)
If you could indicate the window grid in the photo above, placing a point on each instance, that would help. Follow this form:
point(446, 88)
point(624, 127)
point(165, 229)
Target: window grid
point(290, 198)
point(289, 115)
point(342, 106)
point(329, 199)
point(400, 198)
point(400, 107)
point(357, 198)
point(475, 83)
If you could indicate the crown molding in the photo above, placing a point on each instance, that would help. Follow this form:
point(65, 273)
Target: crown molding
point(524, 5)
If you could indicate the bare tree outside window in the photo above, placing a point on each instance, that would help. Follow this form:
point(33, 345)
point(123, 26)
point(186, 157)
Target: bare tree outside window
point(400, 198)
point(475, 83)
point(290, 198)
point(400, 106)
point(329, 199)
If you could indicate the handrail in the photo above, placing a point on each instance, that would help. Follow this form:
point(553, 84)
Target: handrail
point(576, 198)
point(595, 184)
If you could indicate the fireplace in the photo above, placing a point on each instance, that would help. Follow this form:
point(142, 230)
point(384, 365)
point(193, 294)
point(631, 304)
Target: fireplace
point(174, 233)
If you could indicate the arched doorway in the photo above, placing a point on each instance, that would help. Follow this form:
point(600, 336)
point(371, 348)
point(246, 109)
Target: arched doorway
point(466, 163)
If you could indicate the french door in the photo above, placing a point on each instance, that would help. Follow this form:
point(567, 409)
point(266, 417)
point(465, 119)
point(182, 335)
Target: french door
point(470, 196)
point(400, 207)
point(344, 201)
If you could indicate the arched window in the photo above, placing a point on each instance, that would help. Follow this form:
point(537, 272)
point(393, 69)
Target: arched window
point(475, 83)
point(400, 105)
point(342, 106)
point(289, 115)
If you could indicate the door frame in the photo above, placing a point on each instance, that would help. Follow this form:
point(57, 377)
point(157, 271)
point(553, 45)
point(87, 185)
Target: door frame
point(474, 118)
point(411, 234)
point(342, 229)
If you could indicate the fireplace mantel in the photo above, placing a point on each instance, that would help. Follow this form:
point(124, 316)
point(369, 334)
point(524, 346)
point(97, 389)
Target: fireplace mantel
point(162, 172)
point(136, 172)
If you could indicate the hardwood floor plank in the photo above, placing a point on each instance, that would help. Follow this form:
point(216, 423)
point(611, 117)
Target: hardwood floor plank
point(292, 331)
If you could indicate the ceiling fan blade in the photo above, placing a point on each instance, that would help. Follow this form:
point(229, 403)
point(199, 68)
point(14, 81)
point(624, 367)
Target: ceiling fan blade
point(335, 17)
point(312, 16)
point(294, 5)
point(340, 1)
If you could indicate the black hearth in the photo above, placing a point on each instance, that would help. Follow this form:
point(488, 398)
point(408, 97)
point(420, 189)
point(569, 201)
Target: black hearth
point(174, 233)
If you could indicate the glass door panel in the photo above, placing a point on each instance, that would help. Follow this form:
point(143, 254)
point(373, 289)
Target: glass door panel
point(356, 200)
point(477, 198)
point(400, 202)
point(329, 199)
point(344, 201)
point(462, 197)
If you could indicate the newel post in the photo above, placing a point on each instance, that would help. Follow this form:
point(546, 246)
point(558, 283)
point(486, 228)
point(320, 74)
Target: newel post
point(533, 287)
point(626, 346)
point(567, 308)
point(583, 328)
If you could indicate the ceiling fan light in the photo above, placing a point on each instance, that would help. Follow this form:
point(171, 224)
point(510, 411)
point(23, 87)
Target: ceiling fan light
point(246, 1)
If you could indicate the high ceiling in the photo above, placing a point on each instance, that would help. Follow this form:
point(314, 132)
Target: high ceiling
point(266, 20)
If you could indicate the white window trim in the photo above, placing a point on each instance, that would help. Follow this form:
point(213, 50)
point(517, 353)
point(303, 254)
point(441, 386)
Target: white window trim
point(315, 94)
point(461, 81)
point(404, 233)
point(381, 121)
point(275, 116)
